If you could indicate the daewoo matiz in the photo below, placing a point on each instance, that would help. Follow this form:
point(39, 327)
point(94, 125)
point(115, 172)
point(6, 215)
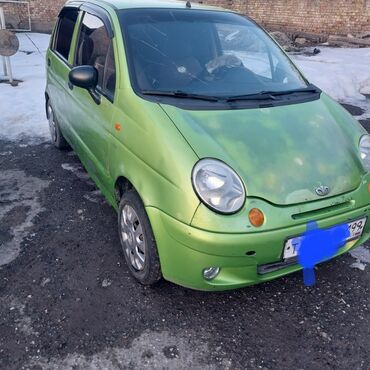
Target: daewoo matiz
point(211, 145)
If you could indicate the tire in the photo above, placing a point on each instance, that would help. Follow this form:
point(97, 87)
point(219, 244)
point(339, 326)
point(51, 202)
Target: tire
point(57, 137)
point(137, 239)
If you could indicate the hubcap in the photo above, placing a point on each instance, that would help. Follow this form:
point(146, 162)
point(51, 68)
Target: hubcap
point(52, 126)
point(133, 238)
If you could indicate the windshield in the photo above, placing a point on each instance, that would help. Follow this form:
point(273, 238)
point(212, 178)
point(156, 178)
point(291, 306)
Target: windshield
point(211, 53)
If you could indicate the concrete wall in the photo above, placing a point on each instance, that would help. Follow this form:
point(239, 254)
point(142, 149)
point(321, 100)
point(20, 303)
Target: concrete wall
point(312, 16)
point(43, 14)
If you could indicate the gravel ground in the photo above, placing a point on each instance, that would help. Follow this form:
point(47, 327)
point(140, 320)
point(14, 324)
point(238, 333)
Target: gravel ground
point(67, 300)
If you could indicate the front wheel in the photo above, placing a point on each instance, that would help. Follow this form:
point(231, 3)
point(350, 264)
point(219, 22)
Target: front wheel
point(137, 240)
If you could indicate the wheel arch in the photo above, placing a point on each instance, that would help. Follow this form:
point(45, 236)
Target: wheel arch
point(122, 185)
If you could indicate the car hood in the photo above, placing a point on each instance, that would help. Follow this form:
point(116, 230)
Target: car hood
point(283, 154)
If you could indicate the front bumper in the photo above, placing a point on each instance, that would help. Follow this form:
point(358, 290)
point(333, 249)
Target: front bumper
point(186, 251)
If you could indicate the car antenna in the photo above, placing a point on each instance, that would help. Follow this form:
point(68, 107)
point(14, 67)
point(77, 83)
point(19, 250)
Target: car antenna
point(188, 4)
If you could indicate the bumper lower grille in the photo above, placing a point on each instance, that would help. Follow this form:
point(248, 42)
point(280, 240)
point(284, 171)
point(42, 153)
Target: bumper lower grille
point(271, 267)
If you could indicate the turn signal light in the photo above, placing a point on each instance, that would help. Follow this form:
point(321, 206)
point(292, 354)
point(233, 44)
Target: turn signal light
point(256, 217)
point(368, 187)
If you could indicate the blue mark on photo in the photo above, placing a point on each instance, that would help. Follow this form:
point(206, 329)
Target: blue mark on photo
point(318, 245)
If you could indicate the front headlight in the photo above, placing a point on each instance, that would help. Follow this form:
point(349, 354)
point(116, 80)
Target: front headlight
point(365, 151)
point(218, 186)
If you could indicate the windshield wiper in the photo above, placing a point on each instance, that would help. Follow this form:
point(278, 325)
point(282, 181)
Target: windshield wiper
point(180, 94)
point(265, 95)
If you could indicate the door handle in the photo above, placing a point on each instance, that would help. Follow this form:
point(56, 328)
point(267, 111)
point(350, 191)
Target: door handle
point(49, 62)
point(70, 85)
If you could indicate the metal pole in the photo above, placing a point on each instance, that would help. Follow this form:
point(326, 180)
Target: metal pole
point(4, 66)
point(9, 70)
point(2, 19)
point(2, 26)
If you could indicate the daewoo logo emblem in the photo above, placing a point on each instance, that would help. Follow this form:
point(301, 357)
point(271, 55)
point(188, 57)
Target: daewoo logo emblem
point(322, 190)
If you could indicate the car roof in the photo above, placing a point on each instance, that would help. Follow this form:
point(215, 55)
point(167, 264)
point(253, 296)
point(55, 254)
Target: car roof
point(150, 4)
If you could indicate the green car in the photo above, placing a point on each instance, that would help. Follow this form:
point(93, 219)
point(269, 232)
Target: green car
point(214, 149)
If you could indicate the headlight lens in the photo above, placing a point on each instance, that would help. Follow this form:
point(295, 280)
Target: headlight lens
point(365, 151)
point(218, 186)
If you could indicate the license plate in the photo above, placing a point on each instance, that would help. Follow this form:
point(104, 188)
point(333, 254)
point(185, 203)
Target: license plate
point(291, 248)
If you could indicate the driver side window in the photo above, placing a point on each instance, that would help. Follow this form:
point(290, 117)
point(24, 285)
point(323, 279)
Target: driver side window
point(95, 48)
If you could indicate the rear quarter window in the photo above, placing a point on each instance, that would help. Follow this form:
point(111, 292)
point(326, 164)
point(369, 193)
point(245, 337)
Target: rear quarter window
point(64, 32)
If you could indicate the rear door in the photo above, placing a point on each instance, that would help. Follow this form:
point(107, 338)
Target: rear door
point(59, 65)
point(91, 122)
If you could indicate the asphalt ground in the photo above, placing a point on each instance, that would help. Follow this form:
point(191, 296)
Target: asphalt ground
point(67, 300)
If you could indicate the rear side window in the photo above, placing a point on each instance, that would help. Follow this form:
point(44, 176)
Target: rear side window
point(95, 48)
point(65, 28)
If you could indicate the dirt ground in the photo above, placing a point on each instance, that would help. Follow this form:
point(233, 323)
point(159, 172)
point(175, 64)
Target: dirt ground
point(67, 300)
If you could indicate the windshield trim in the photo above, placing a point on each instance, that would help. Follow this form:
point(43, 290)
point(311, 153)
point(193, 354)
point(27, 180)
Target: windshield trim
point(274, 95)
point(222, 104)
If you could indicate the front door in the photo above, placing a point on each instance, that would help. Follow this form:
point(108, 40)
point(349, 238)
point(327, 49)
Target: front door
point(91, 121)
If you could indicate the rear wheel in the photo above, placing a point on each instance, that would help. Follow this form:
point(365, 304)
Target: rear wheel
point(137, 239)
point(57, 137)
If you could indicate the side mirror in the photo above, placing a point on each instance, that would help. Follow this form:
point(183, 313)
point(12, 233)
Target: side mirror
point(85, 77)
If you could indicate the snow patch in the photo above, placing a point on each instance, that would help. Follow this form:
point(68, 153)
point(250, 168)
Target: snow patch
point(362, 256)
point(95, 197)
point(106, 283)
point(342, 73)
point(22, 107)
point(365, 87)
point(152, 350)
point(3, 154)
point(20, 205)
point(77, 169)
point(23, 323)
point(45, 281)
point(18, 317)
